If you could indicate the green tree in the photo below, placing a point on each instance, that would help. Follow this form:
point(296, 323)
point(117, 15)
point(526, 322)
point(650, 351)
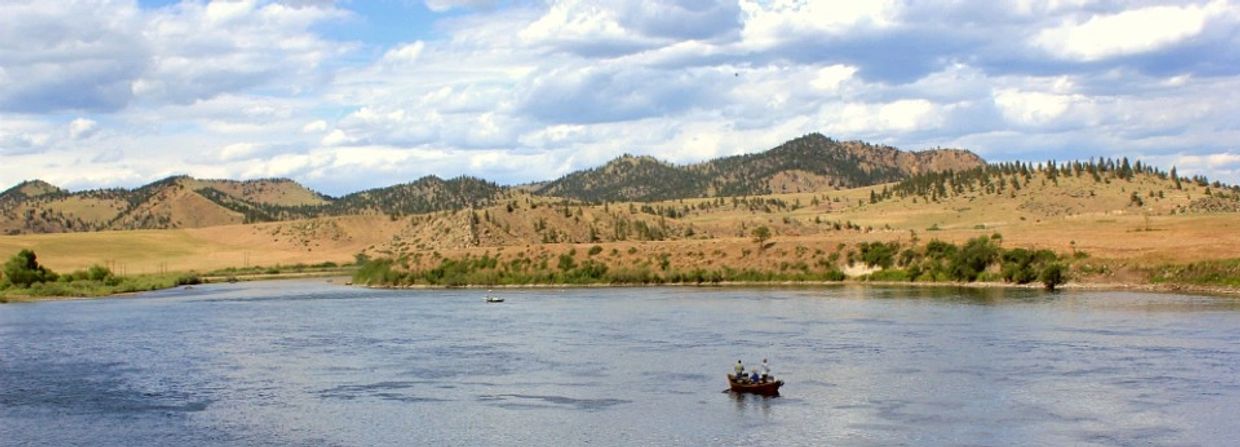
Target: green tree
point(23, 269)
point(973, 258)
point(1053, 275)
point(761, 235)
point(567, 262)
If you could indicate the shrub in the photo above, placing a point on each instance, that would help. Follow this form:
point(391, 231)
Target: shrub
point(878, 254)
point(973, 258)
point(1053, 275)
point(890, 275)
point(23, 270)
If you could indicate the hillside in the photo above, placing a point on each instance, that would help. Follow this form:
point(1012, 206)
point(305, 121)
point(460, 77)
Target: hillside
point(810, 163)
point(424, 195)
point(1113, 224)
point(29, 189)
point(174, 202)
point(1093, 221)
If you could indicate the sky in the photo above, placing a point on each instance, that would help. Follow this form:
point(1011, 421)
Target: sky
point(352, 94)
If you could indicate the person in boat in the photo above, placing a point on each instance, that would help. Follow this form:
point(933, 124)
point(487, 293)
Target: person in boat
point(754, 376)
point(766, 371)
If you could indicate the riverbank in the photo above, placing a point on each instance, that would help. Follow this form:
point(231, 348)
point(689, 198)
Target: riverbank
point(150, 283)
point(1128, 287)
point(340, 278)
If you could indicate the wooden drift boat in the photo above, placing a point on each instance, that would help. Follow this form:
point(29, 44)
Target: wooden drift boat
point(770, 388)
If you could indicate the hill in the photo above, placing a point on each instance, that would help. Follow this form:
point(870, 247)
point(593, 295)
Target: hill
point(809, 163)
point(29, 189)
point(1111, 223)
point(424, 195)
point(1122, 225)
point(174, 202)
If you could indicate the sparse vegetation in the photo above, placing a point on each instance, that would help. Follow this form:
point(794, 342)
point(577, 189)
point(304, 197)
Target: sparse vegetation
point(23, 277)
point(1128, 215)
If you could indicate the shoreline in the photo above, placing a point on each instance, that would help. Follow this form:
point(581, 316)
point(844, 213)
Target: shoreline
point(1119, 287)
point(1228, 292)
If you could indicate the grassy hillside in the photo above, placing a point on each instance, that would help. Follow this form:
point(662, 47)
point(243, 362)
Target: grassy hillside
point(1093, 221)
point(813, 235)
point(809, 163)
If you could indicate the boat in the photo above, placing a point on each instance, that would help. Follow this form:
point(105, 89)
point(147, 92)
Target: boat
point(492, 298)
point(770, 388)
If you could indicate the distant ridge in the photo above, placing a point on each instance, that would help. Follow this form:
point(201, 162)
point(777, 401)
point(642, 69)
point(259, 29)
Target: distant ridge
point(810, 163)
point(29, 189)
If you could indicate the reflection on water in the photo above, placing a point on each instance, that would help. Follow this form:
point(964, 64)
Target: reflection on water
point(310, 363)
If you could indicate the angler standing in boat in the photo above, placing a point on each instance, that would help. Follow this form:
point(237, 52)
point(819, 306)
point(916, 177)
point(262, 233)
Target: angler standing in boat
point(758, 381)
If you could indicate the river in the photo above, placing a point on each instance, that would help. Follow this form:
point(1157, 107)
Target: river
point(313, 363)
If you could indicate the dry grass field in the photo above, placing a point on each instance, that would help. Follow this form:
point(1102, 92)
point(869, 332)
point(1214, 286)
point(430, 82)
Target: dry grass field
point(204, 249)
point(1073, 214)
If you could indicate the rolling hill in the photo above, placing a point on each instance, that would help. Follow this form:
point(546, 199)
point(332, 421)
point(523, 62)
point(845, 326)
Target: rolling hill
point(809, 163)
point(1116, 225)
point(174, 202)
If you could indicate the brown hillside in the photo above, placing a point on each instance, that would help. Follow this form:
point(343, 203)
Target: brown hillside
point(280, 192)
point(29, 189)
point(176, 205)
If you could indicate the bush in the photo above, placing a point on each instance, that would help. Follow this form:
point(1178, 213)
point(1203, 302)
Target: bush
point(98, 273)
point(188, 279)
point(973, 258)
point(890, 275)
point(1053, 275)
point(23, 270)
point(1022, 266)
point(878, 254)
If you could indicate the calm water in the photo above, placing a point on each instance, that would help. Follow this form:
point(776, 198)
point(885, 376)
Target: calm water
point(310, 363)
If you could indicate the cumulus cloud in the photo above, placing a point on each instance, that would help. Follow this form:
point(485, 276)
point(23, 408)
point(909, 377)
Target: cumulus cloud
point(1127, 32)
point(523, 91)
point(102, 55)
point(61, 55)
point(82, 128)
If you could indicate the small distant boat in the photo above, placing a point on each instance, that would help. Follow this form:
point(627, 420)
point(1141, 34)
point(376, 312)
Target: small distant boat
point(761, 388)
point(492, 298)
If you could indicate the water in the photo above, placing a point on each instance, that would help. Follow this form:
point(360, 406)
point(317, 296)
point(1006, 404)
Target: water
point(310, 363)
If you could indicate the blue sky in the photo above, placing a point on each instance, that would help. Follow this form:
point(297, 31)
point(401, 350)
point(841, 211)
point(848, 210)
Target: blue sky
point(349, 95)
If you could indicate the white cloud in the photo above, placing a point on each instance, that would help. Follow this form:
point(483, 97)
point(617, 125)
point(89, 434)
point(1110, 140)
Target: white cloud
point(240, 151)
point(830, 78)
point(1128, 32)
point(315, 126)
point(522, 91)
point(69, 56)
point(1032, 108)
point(769, 22)
point(905, 115)
point(446, 5)
point(404, 54)
point(82, 128)
point(201, 51)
